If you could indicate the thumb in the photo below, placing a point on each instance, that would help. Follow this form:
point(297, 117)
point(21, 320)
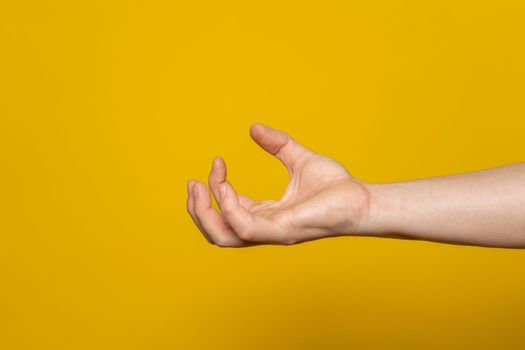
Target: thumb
point(280, 144)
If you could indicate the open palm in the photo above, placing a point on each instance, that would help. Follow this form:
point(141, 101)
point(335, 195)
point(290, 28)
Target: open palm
point(322, 199)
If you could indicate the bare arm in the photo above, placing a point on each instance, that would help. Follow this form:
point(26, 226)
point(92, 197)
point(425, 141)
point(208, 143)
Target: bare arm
point(485, 208)
point(323, 199)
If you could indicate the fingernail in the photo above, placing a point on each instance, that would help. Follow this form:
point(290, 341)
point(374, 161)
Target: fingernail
point(223, 191)
point(215, 161)
point(195, 192)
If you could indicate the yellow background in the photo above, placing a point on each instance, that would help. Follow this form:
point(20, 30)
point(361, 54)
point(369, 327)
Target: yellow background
point(108, 108)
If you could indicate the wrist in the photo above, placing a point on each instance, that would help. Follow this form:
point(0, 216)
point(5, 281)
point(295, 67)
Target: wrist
point(385, 210)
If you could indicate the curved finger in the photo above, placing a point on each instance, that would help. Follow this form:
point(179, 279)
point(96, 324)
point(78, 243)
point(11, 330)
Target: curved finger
point(212, 222)
point(190, 206)
point(246, 225)
point(218, 175)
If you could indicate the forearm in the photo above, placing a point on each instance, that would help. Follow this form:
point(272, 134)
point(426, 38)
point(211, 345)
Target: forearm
point(485, 208)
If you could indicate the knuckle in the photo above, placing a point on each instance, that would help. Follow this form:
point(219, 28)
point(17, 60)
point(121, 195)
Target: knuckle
point(227, 210)
point(245, 233)
point(199, 212)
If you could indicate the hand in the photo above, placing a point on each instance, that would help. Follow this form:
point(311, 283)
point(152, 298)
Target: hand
point(321, 200)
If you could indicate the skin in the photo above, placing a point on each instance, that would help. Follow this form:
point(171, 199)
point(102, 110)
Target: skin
point(322, 199)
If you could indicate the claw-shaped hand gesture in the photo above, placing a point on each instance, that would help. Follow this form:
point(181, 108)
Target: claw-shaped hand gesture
point(322, 199)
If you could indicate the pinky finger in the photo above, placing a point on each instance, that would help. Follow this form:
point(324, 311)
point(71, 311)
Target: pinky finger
point(191, 210)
